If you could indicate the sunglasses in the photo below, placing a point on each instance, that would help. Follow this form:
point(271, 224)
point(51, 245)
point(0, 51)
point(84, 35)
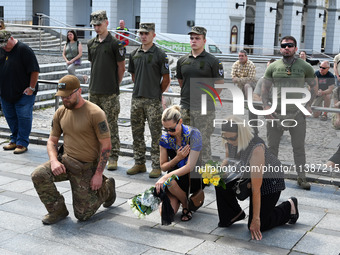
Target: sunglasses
point(290, 45)
point(172, 130)
point(323, 67)
point(233, 139)
point(69, 96)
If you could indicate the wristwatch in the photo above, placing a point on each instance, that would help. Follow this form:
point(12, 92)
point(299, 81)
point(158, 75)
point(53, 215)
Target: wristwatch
point(33, 89)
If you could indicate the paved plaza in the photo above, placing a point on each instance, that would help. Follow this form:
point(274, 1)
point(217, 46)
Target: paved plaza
point(117, 230)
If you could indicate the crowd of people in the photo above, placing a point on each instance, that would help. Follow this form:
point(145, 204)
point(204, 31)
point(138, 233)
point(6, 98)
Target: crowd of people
point(90, 128)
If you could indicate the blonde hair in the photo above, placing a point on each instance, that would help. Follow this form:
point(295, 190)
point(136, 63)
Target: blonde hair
point(244, 132)
point(172, 113)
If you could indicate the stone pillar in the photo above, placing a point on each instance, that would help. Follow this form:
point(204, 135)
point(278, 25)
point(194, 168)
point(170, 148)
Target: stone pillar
point(155, 11)
point(333, 28)
point(265, 22)
point(111, 10)
point(291, 22)
point(313, 34)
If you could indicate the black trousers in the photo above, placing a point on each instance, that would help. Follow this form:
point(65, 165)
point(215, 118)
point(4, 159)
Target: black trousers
point(270, 214)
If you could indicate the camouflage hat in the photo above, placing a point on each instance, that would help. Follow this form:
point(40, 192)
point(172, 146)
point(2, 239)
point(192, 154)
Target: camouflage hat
point(4, 36)
point(146, 27)
point(67, 85)
point(98, 17)
point(198, 30)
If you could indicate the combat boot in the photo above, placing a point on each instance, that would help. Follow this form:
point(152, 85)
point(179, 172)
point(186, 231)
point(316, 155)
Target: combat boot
point(302, 182)
point(112, 165)
point(111, 184)
point(136, 169)
point(55, 216)
point(155, 173)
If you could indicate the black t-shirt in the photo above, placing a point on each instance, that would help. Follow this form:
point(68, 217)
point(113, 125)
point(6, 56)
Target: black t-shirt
point(325, 80)
point(16, 67)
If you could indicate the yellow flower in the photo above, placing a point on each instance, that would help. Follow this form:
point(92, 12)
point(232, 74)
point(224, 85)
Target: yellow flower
point(216, 178)
point(204, 175)
point(211, 180)
point(206, 181)
point(209, 175)
point(213, 170)
point(200, 170)
point(215, 183)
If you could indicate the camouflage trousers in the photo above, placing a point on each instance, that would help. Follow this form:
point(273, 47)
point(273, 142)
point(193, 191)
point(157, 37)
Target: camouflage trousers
point(111, 106)
point(85, 200)
point(204, 123)
point(151, 110)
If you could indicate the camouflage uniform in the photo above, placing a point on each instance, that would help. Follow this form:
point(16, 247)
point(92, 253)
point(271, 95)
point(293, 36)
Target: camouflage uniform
point(195, 119)
point(111, 106)
point(142, 109)
point(85, 200)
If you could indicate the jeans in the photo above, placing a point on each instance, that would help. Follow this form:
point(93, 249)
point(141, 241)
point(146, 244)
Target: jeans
point(19, 116)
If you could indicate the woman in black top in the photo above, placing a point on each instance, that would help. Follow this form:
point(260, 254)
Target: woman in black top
point(266, 185)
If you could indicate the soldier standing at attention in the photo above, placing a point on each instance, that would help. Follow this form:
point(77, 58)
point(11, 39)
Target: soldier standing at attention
point(200, 66)
point(149, 68)
point(107, 56)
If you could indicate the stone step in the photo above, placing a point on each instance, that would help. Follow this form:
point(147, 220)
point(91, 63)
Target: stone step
point(45, 68)
point(35, 42)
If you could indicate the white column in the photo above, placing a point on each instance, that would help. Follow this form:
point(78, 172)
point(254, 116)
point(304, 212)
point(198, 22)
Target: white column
point(61, 10)
point(291, 20)
point(314, 25)
point(265, 22)
point(111, 10)
point(156, 12)
point(333, 27)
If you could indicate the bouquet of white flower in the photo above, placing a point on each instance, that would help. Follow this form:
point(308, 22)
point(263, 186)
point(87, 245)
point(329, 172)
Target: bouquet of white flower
point(144, 203)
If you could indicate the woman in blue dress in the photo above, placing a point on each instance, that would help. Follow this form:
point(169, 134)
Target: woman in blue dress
point(180, 148)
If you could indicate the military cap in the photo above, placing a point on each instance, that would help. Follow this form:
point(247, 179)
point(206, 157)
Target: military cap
point(146, 27)
point(4, 36)
point(98, 17)
point(198, 30)
point(67, 85)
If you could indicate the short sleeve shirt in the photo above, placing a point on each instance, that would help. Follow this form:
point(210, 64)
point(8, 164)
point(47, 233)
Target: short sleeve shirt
point(104, 69)
point(300, 72)
point(325, 81)
point(204, 65)
point(190, 135)
point(16, 67)
point(82, 128)
point(149, 67)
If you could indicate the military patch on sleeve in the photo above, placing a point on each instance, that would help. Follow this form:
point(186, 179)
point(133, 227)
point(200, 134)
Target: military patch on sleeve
point(122, 51)
point(220, 70)
point(103, 128)
point(166, 62)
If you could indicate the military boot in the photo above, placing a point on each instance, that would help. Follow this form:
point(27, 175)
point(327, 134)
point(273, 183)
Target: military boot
point(155, 173)
point(112, 165)
point(302, 182)
point(55, 215)
point(110, 183)
point(136, 169)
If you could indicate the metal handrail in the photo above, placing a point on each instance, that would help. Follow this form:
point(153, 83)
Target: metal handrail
point(53, 19)
point(178, 95)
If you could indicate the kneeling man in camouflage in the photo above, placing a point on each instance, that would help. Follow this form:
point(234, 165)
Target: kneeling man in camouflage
point(86, 150)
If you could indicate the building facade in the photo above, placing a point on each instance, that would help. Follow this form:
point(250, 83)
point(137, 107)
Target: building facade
point(232, 24)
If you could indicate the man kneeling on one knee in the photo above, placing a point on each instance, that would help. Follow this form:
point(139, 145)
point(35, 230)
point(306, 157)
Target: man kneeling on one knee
point(86, 147)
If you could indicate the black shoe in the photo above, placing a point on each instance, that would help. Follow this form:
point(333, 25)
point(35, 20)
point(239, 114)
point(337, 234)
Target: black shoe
point(225, 225)
point(294, 217)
